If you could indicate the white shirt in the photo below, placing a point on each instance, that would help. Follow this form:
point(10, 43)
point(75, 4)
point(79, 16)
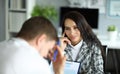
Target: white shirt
point(75, 50)
point(18, 57)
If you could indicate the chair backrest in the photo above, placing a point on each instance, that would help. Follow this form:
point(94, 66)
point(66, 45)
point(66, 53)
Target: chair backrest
point(112, 64)
point(104, 55)
point(105, 50)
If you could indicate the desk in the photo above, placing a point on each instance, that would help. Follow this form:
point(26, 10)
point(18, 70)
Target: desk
point(110, 44)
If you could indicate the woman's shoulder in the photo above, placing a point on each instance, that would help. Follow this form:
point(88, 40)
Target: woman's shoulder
point(92, 46)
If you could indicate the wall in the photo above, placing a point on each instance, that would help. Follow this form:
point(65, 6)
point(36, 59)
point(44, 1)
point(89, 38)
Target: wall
point(104, 20)
point(2, 20)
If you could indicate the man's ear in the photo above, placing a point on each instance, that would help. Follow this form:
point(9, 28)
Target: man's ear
point(41, 39)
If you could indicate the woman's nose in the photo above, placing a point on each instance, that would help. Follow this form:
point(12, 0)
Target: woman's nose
point(72, 31)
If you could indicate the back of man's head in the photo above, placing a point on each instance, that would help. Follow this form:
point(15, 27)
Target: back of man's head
point(37, 26)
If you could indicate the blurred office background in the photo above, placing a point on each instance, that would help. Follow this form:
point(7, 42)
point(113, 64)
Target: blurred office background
point(104, 6)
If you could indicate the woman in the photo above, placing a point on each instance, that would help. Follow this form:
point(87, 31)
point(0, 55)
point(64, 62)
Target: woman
point(85, 46)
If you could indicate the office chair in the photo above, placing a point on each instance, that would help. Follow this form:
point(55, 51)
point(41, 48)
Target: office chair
point(112, 65)
point(104, 54)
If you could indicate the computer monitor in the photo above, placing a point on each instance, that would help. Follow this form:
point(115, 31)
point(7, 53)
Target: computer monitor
point(91, 15)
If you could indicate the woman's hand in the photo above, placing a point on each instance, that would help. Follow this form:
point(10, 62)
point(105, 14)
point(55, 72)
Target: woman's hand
point(63, 42)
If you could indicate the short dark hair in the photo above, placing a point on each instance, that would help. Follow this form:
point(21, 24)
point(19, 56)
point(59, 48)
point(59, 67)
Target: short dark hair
point(37, 26)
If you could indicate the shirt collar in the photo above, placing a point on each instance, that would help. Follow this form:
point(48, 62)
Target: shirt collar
point(78, 45)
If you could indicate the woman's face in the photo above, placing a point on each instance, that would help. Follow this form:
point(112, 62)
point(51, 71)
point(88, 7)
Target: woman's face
point(72, 32)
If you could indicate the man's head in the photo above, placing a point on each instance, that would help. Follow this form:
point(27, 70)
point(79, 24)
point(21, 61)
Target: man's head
point(40, 33)
point(37, 26)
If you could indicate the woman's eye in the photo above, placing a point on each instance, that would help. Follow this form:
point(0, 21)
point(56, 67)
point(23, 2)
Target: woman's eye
point(66, 28)
point(75, 27)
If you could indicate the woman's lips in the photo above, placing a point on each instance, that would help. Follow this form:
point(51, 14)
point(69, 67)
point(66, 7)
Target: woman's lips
point(72, 37)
